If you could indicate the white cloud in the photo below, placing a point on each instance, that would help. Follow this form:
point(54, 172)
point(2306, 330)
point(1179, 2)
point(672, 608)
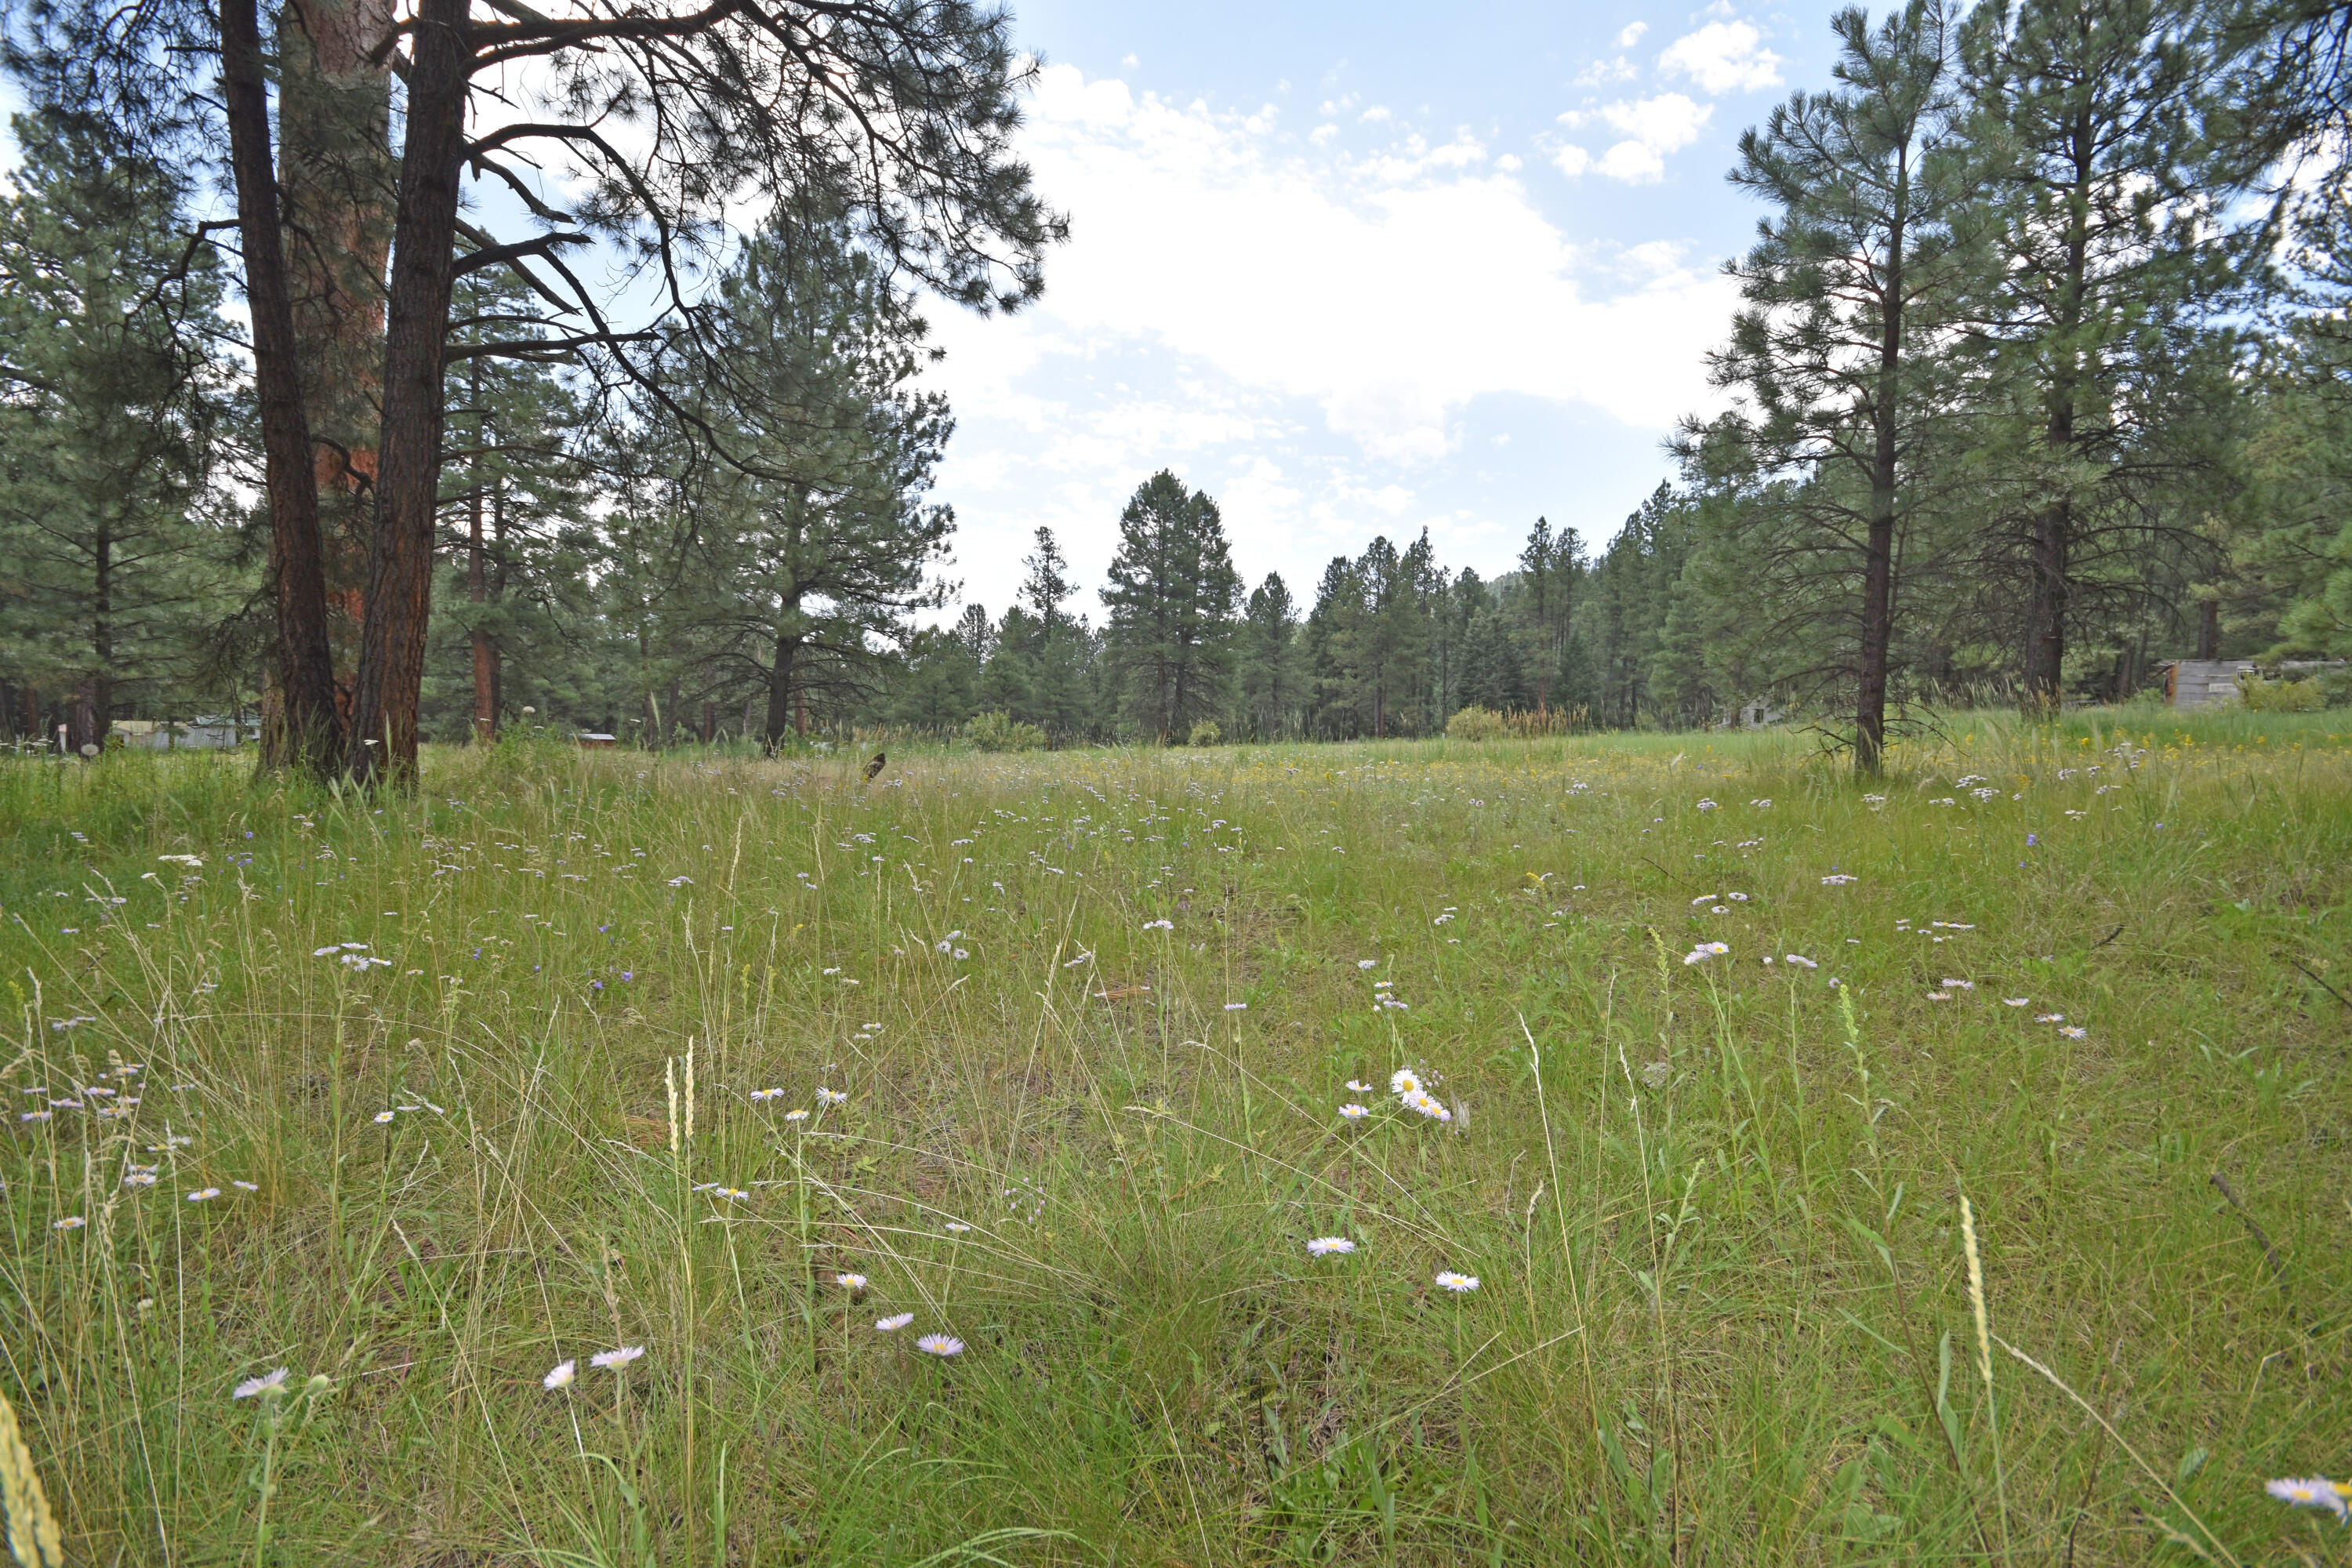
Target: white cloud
point(1377, 115)
point(1666, 123)
point(1631, 33)
point(1651, 128)
point(1632, 162)
point(1317, 359)
point(1508, 162)
point(1608, 73)
point(1723, 57)
point(1323, 136)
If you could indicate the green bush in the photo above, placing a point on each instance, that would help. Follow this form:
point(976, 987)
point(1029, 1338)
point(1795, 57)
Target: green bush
point(1206, 734)
point(2262, 696)
point(1474, 723)
point(1000, 731)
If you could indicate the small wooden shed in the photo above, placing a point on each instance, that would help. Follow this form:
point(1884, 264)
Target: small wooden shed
point(2191, 683)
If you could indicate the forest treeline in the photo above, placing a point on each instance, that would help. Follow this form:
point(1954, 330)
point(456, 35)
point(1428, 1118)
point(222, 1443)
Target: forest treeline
point(2040, 379)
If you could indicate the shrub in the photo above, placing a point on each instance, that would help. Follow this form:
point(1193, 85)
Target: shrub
point(1474, 723)
point(1206, 734)
point(1000, 731)
point(2262, 696)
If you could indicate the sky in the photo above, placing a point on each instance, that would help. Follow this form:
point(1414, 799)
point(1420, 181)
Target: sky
point(1358, 269)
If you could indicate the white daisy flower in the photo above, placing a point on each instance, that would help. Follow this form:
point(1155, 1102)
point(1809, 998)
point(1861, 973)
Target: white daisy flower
point(562, 1376)
point(203, 1195)
point(1404, 1080)
point(796, 1116)
point(940, 1346)
point(263, 1384)
point(621, 1357)
point(1355, 1087)
point(1354, 1112)
point(383, 1117)
point(1327, 1245)
point(1368, 963)
point(891, 1325)
point(1799, 958)
point(2314, 1491)
point(2072, 1033)
point(71, 1221)
point(957, 1225)
point(852, 1283)
point(2016, 1001)
point(1460, 1284)
point(832, 1096)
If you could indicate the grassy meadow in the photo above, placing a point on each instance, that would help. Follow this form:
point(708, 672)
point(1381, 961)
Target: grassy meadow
point(426, 1098)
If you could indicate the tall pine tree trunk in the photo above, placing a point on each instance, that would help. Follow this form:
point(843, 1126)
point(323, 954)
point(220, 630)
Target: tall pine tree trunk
point(2045, 614)
point(102, 638)
point(2049, 562)
point(786, 715)
point(311, 734)
point(1878, 549)
point(477, 585)
point(400, 567)
point(336, 171)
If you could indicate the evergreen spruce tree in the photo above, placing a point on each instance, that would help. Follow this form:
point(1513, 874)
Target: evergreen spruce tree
point(1550, 567)
point(1491, 673)
point(1059, 696)
point(1325, 643)
point(1270, 676)
point(115, 570)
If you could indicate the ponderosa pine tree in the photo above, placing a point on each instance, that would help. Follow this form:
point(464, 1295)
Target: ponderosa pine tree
point(2113, 247)
point(814, 552)
point(1172, 597)
point(516, 535)
point(1841, 353)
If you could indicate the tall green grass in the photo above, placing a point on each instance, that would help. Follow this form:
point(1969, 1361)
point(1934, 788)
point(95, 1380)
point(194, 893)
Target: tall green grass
point(1724, 1310)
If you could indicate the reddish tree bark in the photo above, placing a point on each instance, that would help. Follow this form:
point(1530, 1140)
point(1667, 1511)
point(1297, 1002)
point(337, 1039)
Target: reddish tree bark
point(336, 170)
point(313, 738)
point(400, 565)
